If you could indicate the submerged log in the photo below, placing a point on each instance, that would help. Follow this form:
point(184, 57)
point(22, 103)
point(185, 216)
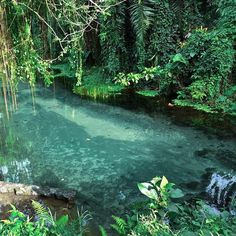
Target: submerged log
point(34, 190)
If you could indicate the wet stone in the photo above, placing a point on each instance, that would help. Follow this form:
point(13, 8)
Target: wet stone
point(18, 189)
point(33, 190)
point(61, 194)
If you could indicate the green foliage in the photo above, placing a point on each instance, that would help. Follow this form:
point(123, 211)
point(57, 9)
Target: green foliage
point(201, 219)
point(163, 38)
point(94, 85)
point(179, 58)
point(202, 69)
point(148, 74)
point(160, 190)
point(42, 213)
point(103, 231)
point(161, 216)
point(112, 39)
point(20, 224)
point(173, 47)
point(29, 63)
point(141, 16)
point(210, 57)
point(120, 225)
point(44, 224)
point(148, 93)
point(63, 71)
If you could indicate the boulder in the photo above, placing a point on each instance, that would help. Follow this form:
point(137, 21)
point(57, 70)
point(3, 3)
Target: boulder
point(18, 189)
point(34, 190)
point(57, 193)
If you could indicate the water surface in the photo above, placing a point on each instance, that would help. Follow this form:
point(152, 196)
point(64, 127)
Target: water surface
point(103, 151)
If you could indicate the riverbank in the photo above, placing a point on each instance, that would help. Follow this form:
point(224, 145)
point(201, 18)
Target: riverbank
point(95, 86)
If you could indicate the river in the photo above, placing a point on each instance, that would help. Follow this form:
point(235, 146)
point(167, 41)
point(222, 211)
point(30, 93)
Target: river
point(102, 150)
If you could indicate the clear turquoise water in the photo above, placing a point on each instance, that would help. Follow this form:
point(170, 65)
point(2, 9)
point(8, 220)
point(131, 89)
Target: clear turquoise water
point(103, 151)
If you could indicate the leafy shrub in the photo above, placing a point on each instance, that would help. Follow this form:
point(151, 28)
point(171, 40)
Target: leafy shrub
point(161, 216)
point(44, 223)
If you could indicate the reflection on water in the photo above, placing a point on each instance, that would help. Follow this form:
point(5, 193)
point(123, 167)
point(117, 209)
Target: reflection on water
point(103, 151)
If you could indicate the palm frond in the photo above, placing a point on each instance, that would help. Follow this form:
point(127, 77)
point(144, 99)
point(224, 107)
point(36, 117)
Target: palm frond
point(142, 15)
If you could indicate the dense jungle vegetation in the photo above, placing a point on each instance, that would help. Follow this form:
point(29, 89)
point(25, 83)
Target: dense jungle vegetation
point(180, 50)
point(184, 50)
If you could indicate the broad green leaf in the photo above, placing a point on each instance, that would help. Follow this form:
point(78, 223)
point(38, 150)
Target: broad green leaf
point(164, 182)
point(173, 208)
point(61, 222)
point(147, 190)
point(179, 58)
point(176, 193)
point(155, 180)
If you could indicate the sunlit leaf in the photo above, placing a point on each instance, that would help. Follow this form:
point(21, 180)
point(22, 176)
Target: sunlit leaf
point(164, 182)
point(147, 190)
point(155, 180)
point(179, 58)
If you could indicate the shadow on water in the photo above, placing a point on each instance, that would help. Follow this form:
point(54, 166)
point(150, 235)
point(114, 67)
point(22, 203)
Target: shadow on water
point(219, 124)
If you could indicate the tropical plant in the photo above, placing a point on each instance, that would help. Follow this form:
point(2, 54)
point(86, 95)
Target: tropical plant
point(161, 216)
point(43, 224)
point(142, 15)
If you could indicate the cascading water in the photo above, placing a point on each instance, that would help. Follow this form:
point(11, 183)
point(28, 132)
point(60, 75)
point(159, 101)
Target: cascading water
point(222, 191)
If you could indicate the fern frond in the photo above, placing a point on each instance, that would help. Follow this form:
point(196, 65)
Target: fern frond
point(43, 213)
point(102, 231)
point(120, 225)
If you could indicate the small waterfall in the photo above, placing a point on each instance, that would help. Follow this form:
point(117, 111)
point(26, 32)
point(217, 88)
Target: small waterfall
point(222, 191)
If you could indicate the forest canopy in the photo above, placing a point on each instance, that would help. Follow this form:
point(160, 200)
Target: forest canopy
point(184, 49)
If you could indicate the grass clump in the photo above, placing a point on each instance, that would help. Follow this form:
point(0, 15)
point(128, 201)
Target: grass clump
point(96, 86)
